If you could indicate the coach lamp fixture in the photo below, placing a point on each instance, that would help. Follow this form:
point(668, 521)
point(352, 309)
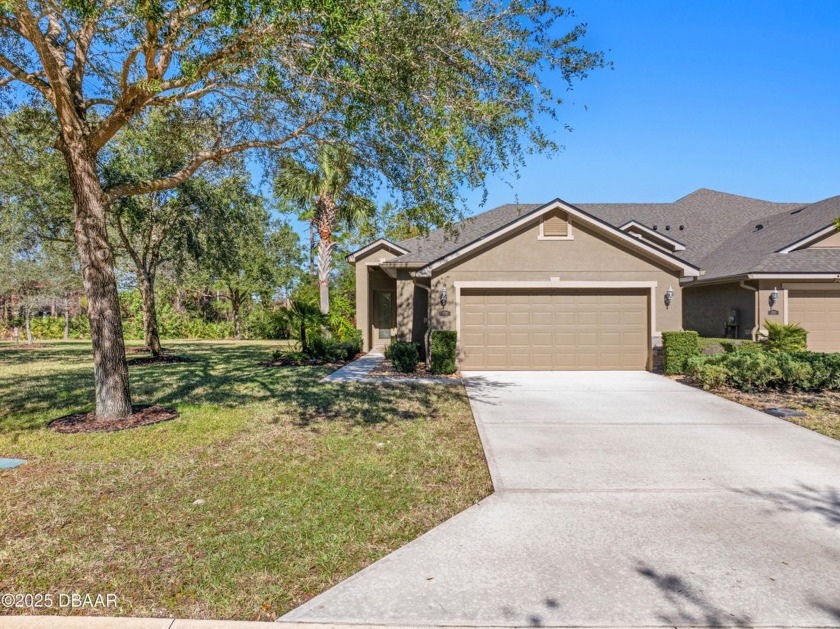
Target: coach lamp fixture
point(443, 296)
point(669, 296)
point(774, 297)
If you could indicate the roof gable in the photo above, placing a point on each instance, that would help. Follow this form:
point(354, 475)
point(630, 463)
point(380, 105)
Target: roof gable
point(367, 250)
point(577, 215)
point(718, 231)
point(641, 231)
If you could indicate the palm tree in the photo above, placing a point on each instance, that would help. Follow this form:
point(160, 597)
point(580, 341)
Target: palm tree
point(301, 315)
point(325, 195)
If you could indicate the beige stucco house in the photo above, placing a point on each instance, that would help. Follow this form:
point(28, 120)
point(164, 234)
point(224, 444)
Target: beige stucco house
point(593, 286)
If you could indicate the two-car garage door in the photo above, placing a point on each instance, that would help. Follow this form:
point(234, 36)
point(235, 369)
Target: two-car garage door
point(554, 330)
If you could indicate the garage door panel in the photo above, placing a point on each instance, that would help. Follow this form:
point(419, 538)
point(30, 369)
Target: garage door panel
point(496, 335)
point(495, 299)
point(555, 330)
point(494, 318)
point(818, 311)
point(542, 317)
point(475, 318)
point(519, 317)
point(473, 339)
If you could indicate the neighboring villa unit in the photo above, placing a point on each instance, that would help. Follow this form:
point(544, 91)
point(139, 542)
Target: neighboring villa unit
point(593, 286)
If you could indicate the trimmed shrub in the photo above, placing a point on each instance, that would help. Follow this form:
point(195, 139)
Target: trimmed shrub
point(711, 376)
point(678, 347)
point(329, 350)
point(785, 337)
point(404, 355)
point(759, 371)
point(348, 349)
point(443, 351)
point(740, 346)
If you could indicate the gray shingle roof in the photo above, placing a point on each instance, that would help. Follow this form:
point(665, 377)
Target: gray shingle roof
point(752, 249)
point(718, 230)
point(707, 218)
point(441, 242)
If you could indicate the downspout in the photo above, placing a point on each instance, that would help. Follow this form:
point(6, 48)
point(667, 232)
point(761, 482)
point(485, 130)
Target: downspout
point(754, 331)
point(427, 335)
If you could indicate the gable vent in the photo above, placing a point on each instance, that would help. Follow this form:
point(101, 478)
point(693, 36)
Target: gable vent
point(555, 227)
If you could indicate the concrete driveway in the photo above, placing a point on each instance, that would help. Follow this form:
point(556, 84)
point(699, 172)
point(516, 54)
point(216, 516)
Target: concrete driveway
point(622, 499)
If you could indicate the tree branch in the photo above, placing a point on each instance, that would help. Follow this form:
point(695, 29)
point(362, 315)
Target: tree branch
point(60, 94)
point(179, 177)
point(32, 79)
point(11, 23)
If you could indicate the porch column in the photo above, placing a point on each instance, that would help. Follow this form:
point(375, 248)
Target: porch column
point(405, 306)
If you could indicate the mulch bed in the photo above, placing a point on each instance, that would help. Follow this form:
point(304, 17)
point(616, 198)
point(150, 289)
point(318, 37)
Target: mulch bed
point(163, 359)
point(138, 350)
point(821, 405)
point(143, 415)
point(289, 361)
point(385, 369)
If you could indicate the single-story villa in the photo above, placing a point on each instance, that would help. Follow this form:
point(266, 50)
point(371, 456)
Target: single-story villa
point(593, 286)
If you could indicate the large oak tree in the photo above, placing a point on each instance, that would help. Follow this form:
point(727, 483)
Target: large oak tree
point(431, 94)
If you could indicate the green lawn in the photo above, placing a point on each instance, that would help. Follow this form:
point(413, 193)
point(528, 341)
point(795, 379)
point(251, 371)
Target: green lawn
point(303, 483)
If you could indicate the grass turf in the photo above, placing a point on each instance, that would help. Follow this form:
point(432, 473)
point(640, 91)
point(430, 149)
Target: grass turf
point(300, 483)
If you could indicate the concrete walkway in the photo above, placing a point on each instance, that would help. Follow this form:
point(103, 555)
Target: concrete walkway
point(357, 370)
point(622, 499)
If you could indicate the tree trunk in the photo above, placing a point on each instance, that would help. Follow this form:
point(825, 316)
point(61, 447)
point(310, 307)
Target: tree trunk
point(311, 248)
point(235, 304)
point(28, 320)
point(325, 248)
point(303, 347)
point(66, 335)
point(151, 334)
point(110, 371)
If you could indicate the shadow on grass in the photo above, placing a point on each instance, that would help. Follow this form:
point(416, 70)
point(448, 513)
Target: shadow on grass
point(822, 502)
point(225, 374)
point(688, 606)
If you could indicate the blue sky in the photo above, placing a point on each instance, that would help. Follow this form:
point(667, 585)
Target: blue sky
point(742, 97)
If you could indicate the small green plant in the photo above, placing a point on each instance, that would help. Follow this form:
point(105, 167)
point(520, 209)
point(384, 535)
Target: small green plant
point(304, 317)
point(785, 337)
point(443, 351)
point(678, 347)
point(404, 355)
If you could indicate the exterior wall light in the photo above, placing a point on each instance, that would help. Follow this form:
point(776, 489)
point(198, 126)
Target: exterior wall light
point(443, 296)
point(774, 297)
point(669, 296)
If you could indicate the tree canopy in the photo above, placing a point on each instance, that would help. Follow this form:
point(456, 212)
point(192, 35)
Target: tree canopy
point(430, 95)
